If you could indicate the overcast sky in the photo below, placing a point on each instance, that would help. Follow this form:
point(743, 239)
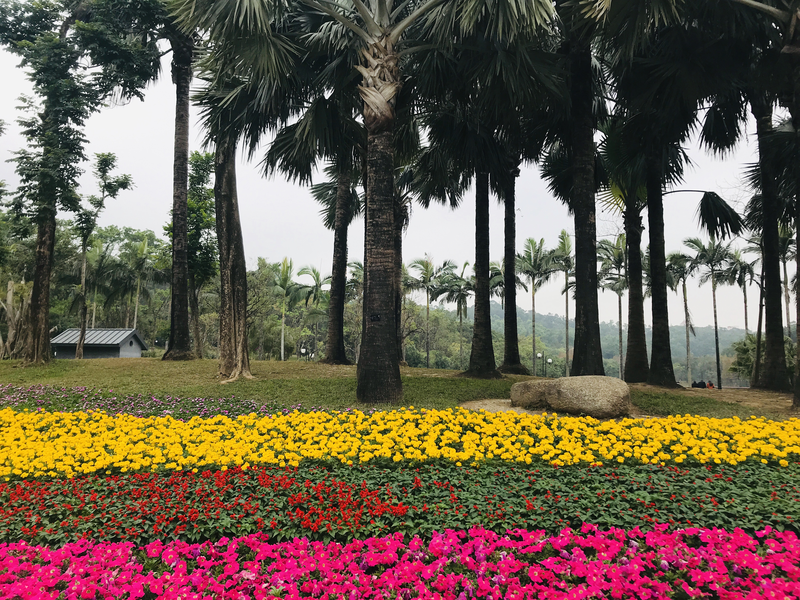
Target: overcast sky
point(281, 219)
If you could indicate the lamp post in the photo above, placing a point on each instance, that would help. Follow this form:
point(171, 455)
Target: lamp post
point(549, 362)
point(539, 357)
point(303, 352)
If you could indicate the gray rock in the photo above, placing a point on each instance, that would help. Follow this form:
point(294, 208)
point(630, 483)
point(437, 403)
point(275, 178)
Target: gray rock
point(531, 393)
point(596, 396)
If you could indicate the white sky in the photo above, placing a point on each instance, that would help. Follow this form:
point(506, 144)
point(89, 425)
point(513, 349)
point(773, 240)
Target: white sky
point(281, 219)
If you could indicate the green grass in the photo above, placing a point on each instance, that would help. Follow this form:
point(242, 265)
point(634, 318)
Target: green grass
point(282, 383)
point(665, 403)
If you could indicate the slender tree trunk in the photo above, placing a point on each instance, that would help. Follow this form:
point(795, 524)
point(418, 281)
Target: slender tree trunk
point(11, 322)
point(533, 324)
point(378, 372)
point(194, 307)
point(744, 294)
point(661, 371)
point(461, 340)
point(136, 305)
point(94, 305)
point(566, 323)
point(334, 345)
point(621, 361)
point(283, 330)
point(481, 359)
point(688, 348)
point(179, 339)
point(754, 378)
point(82, 335)
point(37, 348)
point(427, 328)
point(587, 358)
point(511, 359)
point(787, 301)
point(637, 369)
point(234, 354)
point(716, 329)
point(774, 374)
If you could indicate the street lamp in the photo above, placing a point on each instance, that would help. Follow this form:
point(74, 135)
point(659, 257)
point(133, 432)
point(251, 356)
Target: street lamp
point(303, 352)
point(549, 362)
point(539, 357)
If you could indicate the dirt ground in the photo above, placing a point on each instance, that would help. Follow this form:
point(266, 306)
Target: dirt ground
point(773, 402)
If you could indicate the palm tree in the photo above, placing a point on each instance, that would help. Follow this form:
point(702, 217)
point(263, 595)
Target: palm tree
point(456, 288)
point(714, 258)
point(612, 264)
point(289, 292)
point(538, 265)
point(314, 293)
point(429, 280)
point(680, 267)
point(563, 258)
point(742, 273)
point(787, 252)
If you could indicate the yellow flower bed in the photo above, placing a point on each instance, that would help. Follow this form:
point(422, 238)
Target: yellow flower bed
point(35, 444)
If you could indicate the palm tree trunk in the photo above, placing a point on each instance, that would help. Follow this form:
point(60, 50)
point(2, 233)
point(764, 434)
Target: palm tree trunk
point(621, 361)
point(787, 301)
point(194, 309)
point(82, 335)
point(688, 348)
point(774, 374)
point(234, 354)
point(378, 372)
point(511, 359)
point(566, 323)
point(481, 358)
point(754, 378)
point(637, 369)
point(283, 329)
point(533, 325)
point(37, 348)
point(460, 340)
point(179, 339)
point(716, 329)
point(334, 345)
point(587, 358)
point(661, 372)
point(427, 328)
point(744, 294)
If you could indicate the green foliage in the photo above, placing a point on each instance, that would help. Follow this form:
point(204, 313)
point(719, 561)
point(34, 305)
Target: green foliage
point(745, 352)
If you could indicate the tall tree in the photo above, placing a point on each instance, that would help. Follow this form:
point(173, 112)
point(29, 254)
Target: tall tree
point(566, 264)
point(457, 288)
point(741, 272)
point(60, 43)
point(714, 259)
point(289, 293)
point(538, 265)
point(680, 267)
point(429, 279)
point(86, 221)
point(612, 265)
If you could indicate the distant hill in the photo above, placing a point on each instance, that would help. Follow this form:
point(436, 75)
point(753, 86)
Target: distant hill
point(550, 330)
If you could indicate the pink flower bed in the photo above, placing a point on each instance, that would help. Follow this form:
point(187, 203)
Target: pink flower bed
point(455, 565)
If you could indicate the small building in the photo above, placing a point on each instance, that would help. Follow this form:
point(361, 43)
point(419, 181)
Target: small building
point(99, 343)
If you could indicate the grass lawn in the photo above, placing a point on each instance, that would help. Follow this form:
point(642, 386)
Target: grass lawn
point(287, 384)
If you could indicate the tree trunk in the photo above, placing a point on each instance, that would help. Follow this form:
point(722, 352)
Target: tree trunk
point(744, 295)
point(37, 348)
point(621, 361)
point(774, 375)
point(688, 348)
point(511, 359)
point(94, 305)
point(533, 324)
point(787, 300)
point(334, 344)
point(194, 307)
point(378, 372)
point(481, 358)
point(136, 304)
point(427, 328)
point(637, 369)
point(757, 361)
point(587, 358)
point(179, 339)
point(400, 217)
point(84, 311)
point(566, 323)
point(234, 353)
point(716, 329)
point(661, 372)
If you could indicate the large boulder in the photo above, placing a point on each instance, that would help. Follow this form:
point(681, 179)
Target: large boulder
point(596, 396)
